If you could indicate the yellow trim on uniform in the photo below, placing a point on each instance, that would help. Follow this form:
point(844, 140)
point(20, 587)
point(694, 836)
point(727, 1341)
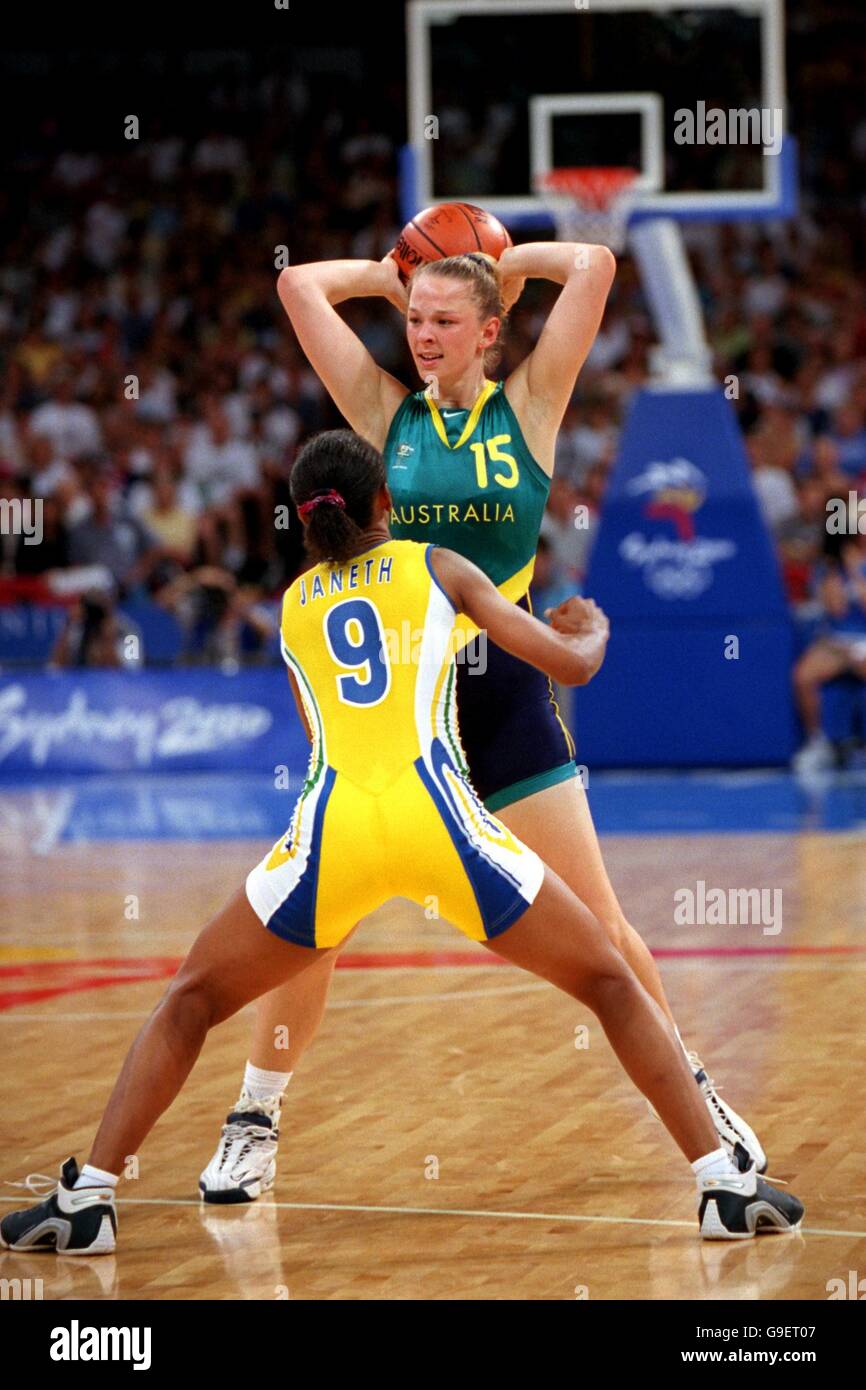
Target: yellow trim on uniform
point(437, 689)
point(518, 585)
point(486, 392)
point(505, 837)
point(513, 589)
point(280, 854)
point(569, 741)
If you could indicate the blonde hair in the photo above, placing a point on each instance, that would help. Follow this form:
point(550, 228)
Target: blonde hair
point(481, 274)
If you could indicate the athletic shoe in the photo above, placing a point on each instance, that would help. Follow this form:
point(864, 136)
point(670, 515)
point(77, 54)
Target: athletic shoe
point(816, 755)
point(731, 1129)
point(72, 1221)
point(740, 1207)
point(245, 1163)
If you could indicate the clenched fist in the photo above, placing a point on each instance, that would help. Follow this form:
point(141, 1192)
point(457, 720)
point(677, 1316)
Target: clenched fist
point(578, 615)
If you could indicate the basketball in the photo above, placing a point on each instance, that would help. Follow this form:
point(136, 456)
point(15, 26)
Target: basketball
point(449, 229)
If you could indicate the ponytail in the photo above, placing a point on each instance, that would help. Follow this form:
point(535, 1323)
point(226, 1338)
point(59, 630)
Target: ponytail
point(334, 484)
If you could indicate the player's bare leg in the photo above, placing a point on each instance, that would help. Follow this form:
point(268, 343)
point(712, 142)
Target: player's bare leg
point(558, 939)
point(820, 663)
point(288, 1018)
point(244, 1163)
point(233, 960)
point(557, 824)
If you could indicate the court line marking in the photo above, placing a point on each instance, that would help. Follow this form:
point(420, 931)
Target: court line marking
point(15, 1015)
point(376, 1001)
point(70, 1018)
point(62, 966)
point(480, 1213)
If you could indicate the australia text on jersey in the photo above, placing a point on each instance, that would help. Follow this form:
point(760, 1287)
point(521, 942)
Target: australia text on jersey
point(425, 513)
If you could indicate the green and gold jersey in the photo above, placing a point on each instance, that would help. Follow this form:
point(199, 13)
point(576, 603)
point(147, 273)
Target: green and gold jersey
point(464, 479)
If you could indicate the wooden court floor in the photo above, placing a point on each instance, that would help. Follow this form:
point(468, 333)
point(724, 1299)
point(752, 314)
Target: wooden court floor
point(445, 1138)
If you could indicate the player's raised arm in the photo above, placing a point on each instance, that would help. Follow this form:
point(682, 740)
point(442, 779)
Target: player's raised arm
point(540, 388)
point(571, 650)
point(362, 391)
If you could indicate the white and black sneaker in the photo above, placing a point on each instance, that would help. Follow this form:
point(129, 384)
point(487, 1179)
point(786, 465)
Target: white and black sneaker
point(245, 1163)
point(745, 1205)
point(72, 1221)
point(730, 1127)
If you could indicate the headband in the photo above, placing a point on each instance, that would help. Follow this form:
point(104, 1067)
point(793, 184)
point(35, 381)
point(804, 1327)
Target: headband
point(324, 495)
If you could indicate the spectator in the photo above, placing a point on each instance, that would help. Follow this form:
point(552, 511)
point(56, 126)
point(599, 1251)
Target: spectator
point(218, 464)
point(560, 528)
point(110, 538)
point(47, 469)
point(774, 485)
point(168, 521)
point(215, 614)
point(72, 427)
point(801, 539)
point(96, 635)
point(839, 649)
point(849, 435)
point(825, 466)
point(549, 588)
point(52, 552)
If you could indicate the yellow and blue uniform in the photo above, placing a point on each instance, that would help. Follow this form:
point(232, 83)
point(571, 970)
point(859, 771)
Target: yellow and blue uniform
point(466, 479)
point(387, 809)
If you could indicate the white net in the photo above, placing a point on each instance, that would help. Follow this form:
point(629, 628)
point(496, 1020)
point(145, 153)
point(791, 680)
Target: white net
point(590, 205)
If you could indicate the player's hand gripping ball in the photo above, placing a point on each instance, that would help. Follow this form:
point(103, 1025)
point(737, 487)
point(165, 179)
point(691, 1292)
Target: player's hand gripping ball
point(448, 230)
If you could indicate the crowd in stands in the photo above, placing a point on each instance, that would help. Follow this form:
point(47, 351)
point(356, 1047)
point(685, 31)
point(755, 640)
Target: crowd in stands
point(154, 397)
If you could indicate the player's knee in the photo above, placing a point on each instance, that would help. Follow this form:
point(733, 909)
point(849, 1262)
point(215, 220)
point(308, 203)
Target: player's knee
point(610, 990)
point(193, 1001)
point(617, 930)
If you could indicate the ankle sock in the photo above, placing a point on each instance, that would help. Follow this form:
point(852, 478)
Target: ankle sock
point(260, 1083)
point(717, 1164)
point(95, 1177)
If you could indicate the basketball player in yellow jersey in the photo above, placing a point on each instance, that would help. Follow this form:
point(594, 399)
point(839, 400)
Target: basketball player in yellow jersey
point(386, 810)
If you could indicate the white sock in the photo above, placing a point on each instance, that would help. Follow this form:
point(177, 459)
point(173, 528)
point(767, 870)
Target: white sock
point(717, 1164)
point(95, 1177)
point(260, 1083)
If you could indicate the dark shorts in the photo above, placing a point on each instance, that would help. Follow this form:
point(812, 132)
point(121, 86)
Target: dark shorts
point(510, 727)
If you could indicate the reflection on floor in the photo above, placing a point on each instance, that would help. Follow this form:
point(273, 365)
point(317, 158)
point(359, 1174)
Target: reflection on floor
point(223, 806)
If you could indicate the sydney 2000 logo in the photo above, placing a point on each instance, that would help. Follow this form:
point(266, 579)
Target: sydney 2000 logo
point(676, 562)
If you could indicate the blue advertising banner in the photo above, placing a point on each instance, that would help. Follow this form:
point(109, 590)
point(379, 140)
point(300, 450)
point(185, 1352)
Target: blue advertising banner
point(28, 632)
point(177, 721)
point(698, 670)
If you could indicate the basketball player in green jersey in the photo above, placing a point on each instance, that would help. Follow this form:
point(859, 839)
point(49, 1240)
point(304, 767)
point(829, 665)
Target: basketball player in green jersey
point(469, 463)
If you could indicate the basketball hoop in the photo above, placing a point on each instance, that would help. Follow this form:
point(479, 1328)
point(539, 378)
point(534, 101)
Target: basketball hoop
point(590, 205)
